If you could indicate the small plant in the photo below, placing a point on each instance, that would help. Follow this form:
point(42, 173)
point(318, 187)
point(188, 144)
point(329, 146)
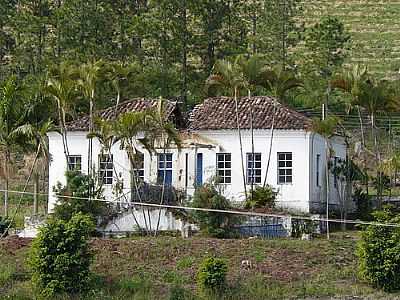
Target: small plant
point(5, 223)
point(379, 252)
point(213, 224)
point(261, 197)
point(60, 256)
point(363, 204)
point(212, 275)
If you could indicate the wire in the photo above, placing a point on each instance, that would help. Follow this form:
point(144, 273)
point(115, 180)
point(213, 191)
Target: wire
point(236, 212)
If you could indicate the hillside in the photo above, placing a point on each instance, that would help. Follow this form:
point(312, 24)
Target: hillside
point(374, 26)
point(165, 268)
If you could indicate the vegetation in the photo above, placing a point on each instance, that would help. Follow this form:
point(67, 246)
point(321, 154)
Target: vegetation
point(212, 275)
point(72, 198)
point(60, 257)
point(157, 268)
point(379, 252)
point(213, 224)
point(261, 197)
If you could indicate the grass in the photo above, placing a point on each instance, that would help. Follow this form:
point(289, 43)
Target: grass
point(166, 268)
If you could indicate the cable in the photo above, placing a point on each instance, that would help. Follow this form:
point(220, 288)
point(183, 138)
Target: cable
point(236, 212)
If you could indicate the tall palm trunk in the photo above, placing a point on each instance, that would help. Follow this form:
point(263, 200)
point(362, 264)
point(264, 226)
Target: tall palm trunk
point(378, 159)
point(240, 140)
point(134, 186)
point(162, 194)
point(270, 145)
point(361, 126)
point(63, 131)
point(6, 183)
point(327, 186)
point(36, 178)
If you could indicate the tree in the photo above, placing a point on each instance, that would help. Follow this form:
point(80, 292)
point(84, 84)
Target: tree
point(61, 87)
point(37, 135)
point(90, 74)
point(161, 133)
point(126, 129)
point(326, 44)
point(11, 118)
point(278, 81)
point(326, 128)
point(229, 78)
point(352, 82)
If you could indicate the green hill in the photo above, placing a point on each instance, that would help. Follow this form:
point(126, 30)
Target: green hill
point(374, 26)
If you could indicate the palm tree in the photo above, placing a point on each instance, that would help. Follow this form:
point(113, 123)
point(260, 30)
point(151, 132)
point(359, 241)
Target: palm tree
point(37, 138)
point(278, 81)
point(119, 76)
point(90, 74)
point(60, 86)
point(229, 78)
point(326, 128)
point(127, 128)
point(161, 133)
point(375, 97)
point(352, 82)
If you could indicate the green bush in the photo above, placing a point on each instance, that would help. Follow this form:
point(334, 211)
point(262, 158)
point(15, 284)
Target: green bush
point(379, 252)
point(78, 185)
point(60, 256)
point(212, 275)
point(261, 197)
point(213, 224)
point(4, 224)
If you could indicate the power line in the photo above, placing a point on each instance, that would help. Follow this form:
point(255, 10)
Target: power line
point(236, 212)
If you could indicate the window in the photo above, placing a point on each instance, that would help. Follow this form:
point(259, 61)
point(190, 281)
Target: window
point(285, 172)
point(253, 168)
point(75, 163)
point(224, 172)
point(164, 168)
point(318, 168)
point(138, 165)
point(106, 169)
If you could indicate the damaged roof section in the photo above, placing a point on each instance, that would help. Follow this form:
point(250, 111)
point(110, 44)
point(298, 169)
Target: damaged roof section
point(219, 113)
point(172, 113)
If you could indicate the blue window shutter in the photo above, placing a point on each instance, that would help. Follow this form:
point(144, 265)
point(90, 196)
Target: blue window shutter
point(199, 169)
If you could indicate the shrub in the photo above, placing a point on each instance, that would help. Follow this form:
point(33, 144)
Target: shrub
point(379, 252)
point(363, 204)
point(261, 197)
point(212, 274)
point(4, 224)
point(60, 256)
point(78, 185)
point(213, 224)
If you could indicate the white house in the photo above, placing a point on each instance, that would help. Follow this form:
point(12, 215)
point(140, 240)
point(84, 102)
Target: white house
point(211, 147)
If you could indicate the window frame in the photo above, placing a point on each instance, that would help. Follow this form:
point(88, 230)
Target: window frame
point(285, 168)
point(69, 163)
point(160, 180)
point(224, 169)
point(107, 179)
point(251, 165)
point(138, 161)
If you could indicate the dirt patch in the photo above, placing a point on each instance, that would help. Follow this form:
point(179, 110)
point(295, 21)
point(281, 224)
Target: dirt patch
point(12, 244)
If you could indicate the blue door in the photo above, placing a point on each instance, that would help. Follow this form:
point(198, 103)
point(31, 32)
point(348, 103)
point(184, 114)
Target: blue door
point(199, 169)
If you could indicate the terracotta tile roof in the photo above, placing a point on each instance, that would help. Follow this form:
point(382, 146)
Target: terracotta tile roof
point(137, 104)
point(219, 113)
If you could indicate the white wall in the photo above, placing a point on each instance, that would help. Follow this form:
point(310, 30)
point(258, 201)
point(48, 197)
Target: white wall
point(293, 196)
point(297, 196)
point(318, 193)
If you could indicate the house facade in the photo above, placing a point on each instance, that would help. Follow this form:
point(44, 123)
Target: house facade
point(210, 147)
